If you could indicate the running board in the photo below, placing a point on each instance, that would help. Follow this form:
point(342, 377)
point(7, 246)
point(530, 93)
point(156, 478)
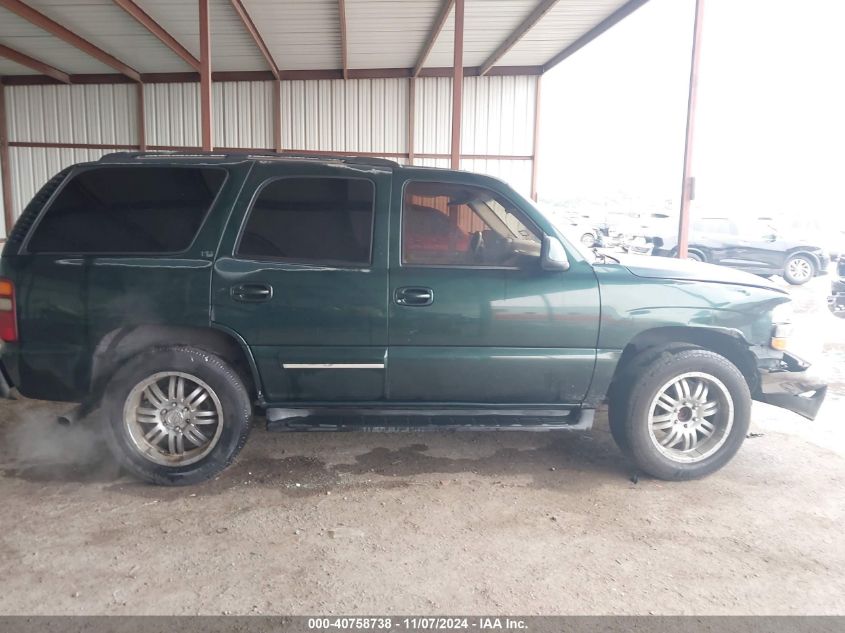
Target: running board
point(404, 420)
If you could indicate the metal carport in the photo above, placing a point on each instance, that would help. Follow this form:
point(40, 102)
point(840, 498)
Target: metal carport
point(81, 78)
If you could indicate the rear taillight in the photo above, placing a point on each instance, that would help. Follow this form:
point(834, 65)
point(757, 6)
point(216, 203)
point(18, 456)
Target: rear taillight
point(8, 318)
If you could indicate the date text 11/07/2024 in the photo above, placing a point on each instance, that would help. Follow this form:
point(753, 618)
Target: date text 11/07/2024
point(417, 624)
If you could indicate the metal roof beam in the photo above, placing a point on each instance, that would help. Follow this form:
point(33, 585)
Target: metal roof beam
point(344, 57)
point(432, 38)
point(205, 76)
point(621, 13)
point(144, 19)
point(240, 9)
point(34, 64)
point(527, 24)
point(40, 20)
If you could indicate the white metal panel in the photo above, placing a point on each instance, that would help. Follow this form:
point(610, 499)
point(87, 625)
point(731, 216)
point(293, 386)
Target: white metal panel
point(487, 23)
point(433, 116)
point(300, 34)
point(102, 114)
point(172, 114)
point(387, 33)
point(31, 167)
point(243, 114)
point(11, 68)
point(232, 47)
point(359, 115)
point(497, 116)
point(517, 173)
point(109, 27)
point(560, 27)
point(17, 33)
point(180, 19)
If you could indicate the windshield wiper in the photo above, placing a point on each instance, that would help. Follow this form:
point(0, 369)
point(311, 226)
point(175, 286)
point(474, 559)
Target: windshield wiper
point(604, 257)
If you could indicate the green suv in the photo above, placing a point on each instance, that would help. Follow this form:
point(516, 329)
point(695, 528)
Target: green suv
point(174, 294)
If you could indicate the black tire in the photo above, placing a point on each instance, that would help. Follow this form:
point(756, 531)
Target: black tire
point(225, 384)
point(696, 256)
point(630, 420)
point(624, 382)
point(805, 262)
point(588, 240)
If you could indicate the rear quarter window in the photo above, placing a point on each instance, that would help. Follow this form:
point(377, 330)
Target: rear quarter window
point(118, 210)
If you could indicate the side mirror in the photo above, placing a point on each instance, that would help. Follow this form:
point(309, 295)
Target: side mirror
point(553, 255)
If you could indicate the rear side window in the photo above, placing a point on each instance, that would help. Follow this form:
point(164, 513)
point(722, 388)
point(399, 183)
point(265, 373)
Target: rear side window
point(115, 210)
point(311, 220)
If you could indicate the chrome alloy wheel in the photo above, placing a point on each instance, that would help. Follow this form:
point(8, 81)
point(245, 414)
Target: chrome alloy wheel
point(691, 417)
point(173, 418)
point(799, 269)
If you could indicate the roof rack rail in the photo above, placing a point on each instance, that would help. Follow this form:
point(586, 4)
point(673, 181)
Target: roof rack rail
point(249, 155)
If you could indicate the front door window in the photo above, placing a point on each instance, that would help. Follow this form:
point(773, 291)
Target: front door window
point(449, 224)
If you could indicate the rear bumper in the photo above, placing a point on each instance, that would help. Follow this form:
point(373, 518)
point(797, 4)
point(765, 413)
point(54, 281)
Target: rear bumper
point(792, 387)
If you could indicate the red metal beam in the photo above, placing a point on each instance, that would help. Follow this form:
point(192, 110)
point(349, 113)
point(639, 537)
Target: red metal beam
point(527, 24)
point(688, 183)
point(536, 141)
point(142, 124)
point(344, 56)
point(457, 83)
point(266, 75)
point(622, 12)
point(412, 107)
point(277, 115)
point(240, 9)
point(34, 64)
point(5, 165)
point(54, 28)
point(205, 76)
point(445, 10)
point(156, 29)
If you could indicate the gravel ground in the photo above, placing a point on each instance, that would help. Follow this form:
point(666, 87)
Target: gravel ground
point(543, 523)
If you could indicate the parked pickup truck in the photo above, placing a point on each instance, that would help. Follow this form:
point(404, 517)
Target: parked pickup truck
point(175, 294)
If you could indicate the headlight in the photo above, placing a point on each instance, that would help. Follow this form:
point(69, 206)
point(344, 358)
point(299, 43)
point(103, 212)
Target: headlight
point(783, 313)
point(782, 326)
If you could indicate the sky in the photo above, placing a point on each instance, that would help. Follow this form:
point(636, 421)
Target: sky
point(770, 122)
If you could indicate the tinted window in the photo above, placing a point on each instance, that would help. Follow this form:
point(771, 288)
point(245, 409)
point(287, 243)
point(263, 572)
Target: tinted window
point(463, 225)
point(128, 210)
point(311, 220)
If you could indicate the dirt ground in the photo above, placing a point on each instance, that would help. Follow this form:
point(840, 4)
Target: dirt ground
point(471, 523)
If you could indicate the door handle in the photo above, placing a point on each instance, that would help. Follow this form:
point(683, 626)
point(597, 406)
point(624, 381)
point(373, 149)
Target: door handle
point(414, 296)
point(252, 293)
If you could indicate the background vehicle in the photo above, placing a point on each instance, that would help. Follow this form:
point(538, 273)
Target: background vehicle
point(836, 300)
point(175, 293)
point(754, 247)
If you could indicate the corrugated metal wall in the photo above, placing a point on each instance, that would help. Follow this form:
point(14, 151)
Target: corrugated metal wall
point(366, 115)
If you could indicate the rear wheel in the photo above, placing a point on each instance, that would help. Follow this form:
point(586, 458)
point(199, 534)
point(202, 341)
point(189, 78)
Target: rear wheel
point(176, 415)
point(695, 256)
point(588, 240)
point(799, 269)
point(684, 416)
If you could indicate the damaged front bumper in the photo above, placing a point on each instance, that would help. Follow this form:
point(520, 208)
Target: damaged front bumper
point(836, 300)
point(790, 386)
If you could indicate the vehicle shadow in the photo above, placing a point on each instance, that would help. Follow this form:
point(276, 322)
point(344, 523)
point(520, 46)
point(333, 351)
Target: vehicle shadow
point(36, 449)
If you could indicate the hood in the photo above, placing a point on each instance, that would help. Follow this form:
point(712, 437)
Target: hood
point(670, 268)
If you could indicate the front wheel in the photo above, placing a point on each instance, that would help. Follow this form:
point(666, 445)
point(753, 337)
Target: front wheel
point(798, 270)
point(685, 415)
point(176, 415)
